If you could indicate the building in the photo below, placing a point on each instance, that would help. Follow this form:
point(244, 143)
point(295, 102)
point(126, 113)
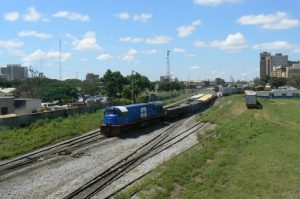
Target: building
point(265, 64)
point(3, 77)
point(25, 106)
point(164, 79)
point(268, 63)
point(279, 71)
point(192, 84)
point(4, 92)
point(91, 77)
point(7, 105)
point(15, 72)
point(294, 71)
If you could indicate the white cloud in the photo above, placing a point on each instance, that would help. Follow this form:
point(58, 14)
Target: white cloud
point(41, 55)
point(178, 50)
point(277, 45)
point(40, 35)
point(11, 16)
point(194, 67)
point(131, 39)
point(142, 17)
point(151, 51)
point(277, 21)
point(32, 15)
point(104, 57)
point(160, 39)
point(200, 44)
point(233, 43)
point(73, 16)
point(214, 2)
point(123, 15)
point(184, 31)
point(130, 55)
point(9, 44)
point(87, 43)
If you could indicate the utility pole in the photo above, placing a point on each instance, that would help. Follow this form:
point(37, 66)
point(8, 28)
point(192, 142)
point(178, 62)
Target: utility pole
point(132, 71)
point(168, 70)
point(59, 59)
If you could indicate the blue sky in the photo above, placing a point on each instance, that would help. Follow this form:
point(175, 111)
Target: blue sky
point(207, 38)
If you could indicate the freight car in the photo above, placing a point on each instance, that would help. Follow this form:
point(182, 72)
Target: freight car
point(250, 97)
point(190, 107)
point(123, 118)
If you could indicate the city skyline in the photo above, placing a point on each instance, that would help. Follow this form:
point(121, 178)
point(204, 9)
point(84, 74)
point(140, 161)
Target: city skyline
point(207, 38)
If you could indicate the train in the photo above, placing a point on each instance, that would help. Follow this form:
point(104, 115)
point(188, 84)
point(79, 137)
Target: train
point(121, 119)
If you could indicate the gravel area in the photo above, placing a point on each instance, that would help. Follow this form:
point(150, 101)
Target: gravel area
point(58, 176)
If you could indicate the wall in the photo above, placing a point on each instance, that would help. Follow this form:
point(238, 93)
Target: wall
point(9, 103)
point(24, 120)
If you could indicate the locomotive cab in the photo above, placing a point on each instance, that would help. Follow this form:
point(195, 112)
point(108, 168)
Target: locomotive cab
point(115, 115)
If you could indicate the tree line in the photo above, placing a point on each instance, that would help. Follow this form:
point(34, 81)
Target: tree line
point(113, 85)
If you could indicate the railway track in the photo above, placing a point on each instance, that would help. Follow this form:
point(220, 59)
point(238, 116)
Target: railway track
point(149, 149)
point(62, 148)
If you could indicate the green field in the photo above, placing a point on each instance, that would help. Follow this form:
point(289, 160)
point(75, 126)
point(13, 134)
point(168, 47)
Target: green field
point(255, 154)
point(46, 132)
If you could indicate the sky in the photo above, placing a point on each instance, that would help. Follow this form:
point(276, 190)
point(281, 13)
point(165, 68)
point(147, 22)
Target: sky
point(206, 38)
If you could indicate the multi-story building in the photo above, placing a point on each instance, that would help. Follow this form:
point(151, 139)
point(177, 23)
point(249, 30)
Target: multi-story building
point(279, 71)
point(91, 77)
point(265, 64)
point(293, 71)
point(15, 72)
point(272, 65)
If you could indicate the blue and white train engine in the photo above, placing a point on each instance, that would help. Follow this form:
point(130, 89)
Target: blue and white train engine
point(119, 119)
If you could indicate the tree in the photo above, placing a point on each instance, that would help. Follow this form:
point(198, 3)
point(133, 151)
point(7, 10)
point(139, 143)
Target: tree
point(5, 83)
point(220, 81)
point(140, 83)
point(276, 82)
point(294, 81)
point(113, 83)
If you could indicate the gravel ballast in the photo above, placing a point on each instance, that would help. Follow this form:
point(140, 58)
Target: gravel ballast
point(56, 177)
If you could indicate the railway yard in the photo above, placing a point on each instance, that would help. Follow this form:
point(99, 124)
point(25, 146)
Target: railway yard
point(97, 165)
point(206, 155)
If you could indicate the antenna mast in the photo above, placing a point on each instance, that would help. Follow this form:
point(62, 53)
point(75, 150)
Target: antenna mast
point(168, 66)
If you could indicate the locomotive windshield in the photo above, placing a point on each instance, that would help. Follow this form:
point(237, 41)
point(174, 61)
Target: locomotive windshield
point(110, 112)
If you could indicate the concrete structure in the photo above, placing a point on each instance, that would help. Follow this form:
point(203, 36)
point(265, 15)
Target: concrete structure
point(265, 64)
point(191, 84)
point(25, 106)
point(2, 76)
point(293, 72)
point(15, 72)
point(7, 92)
point(279, 71)
point(7, 105)
point(269, 62)
point(91, 77)
point(164, 79)
point(279, 94)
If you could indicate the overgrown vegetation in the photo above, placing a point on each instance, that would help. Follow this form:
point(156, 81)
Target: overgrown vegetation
point(46, 132)
point(255, 154)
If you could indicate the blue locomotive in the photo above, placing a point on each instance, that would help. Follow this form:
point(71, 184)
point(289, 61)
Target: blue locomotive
point(118, 119)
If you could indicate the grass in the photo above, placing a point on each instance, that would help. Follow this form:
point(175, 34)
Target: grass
point(255, 154)
point(46, 132)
